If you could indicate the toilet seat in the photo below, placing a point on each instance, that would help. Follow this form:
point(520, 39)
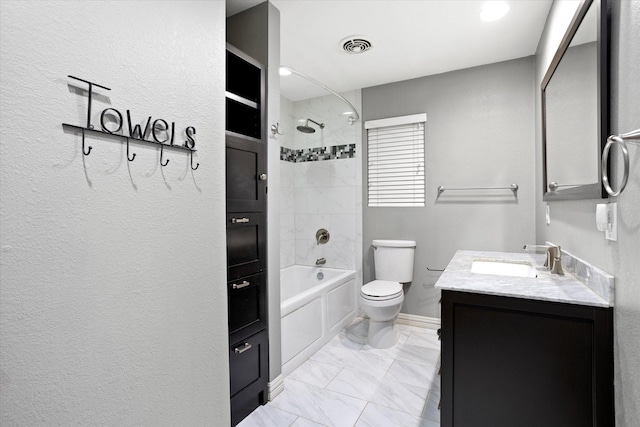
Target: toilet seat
point(380, 290)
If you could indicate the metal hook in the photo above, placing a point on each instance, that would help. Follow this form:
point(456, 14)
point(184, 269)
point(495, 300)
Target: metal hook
point(134, 154)
point(197, 164)
point(275, 130)
point(161, 152)
point(90, 147)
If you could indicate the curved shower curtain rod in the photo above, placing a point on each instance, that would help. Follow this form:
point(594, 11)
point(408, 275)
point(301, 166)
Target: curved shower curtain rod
point(328, 89)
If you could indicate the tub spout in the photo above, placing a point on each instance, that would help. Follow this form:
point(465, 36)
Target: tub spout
point(321, 261)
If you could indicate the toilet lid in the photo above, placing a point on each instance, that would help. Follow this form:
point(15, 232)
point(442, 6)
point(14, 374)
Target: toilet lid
point(381, 289)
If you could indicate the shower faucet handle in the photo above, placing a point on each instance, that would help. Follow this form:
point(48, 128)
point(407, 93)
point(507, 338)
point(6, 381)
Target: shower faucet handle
point(322, 236)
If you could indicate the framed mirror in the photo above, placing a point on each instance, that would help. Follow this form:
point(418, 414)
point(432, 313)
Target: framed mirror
point(575, 113)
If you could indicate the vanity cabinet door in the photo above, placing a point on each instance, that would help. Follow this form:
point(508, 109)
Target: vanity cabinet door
point(515, 362)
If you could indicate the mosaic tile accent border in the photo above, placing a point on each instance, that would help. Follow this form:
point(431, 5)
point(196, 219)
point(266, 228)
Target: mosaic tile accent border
point(317, 154)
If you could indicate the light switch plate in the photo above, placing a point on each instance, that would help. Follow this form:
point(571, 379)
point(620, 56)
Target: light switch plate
point(612, 231)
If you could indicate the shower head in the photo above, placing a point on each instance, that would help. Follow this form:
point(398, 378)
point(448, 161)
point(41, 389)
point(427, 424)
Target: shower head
point(308, 129)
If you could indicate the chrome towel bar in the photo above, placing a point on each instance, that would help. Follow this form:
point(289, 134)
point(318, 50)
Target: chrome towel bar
point(512, 187)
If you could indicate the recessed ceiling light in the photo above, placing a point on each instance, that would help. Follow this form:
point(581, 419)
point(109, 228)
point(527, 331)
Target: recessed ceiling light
point(284, 71)
point(494, 10)
point(346, 113)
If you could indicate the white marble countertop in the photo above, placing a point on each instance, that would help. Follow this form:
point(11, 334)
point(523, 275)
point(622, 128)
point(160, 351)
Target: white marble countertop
point(546, 287)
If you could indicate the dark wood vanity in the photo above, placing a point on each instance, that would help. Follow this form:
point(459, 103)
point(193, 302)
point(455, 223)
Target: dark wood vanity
point(518, 362)
point(525, 350)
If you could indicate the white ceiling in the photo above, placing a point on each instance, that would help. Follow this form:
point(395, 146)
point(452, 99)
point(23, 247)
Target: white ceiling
point(410, 39)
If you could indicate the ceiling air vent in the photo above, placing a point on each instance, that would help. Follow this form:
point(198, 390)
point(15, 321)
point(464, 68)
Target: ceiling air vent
point(356, 44)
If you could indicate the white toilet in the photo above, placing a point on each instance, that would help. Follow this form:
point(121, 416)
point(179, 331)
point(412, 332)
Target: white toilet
point(382, 299)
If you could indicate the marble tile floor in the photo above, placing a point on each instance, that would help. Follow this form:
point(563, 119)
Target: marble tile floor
point(348, 383)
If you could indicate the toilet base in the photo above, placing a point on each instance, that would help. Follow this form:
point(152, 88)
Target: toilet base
point(382, 334)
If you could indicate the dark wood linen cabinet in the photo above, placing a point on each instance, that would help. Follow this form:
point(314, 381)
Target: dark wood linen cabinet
point(246, 233)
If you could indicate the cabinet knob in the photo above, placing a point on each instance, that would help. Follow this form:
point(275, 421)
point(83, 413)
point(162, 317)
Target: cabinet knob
point(262, 177)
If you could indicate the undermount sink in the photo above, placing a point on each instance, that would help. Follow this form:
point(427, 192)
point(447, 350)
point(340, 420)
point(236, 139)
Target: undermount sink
point(504, 268)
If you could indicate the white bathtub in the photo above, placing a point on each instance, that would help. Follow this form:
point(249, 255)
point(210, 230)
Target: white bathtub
point(313, 310)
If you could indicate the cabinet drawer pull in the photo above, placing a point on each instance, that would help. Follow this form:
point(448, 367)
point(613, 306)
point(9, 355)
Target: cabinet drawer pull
point(239, 220)
point(262, 177)
point(246, 346)
point(244, 284)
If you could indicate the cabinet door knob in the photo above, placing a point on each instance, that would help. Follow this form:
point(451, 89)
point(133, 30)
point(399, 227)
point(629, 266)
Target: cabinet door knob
point(246, 346)
point(244, 284)
point(262, 177)
point(239, 220)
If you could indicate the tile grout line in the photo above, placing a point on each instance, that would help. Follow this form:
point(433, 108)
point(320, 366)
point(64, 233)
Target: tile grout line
point(361, 412)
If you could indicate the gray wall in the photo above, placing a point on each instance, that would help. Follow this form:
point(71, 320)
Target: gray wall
point(256, 32)
point(573, 222)
point(479, 132)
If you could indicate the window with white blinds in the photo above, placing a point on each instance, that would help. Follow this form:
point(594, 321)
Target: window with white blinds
point(395, 150)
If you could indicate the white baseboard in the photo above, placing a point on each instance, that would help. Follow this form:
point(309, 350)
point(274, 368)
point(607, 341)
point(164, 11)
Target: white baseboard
point(419, 321)
point(275, 387)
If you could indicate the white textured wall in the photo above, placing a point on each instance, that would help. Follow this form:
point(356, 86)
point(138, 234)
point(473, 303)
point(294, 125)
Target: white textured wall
point(112, 295)
point(573, 222)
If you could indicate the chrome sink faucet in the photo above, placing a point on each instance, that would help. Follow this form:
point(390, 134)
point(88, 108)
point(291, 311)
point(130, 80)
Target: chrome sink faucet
point(554, 257)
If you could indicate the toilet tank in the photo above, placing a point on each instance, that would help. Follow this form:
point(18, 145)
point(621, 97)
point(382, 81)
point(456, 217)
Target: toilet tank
point(393, 260)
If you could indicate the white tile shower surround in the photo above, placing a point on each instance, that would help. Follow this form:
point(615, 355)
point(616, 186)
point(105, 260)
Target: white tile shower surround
point(321, 194)
point(348, 383)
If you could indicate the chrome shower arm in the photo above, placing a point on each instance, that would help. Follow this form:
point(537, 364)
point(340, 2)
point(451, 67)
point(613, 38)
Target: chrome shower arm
point(320, 125)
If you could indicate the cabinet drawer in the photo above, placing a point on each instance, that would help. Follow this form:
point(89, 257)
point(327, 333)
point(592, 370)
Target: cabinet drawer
point(247, 305)
point(248, 364)
point(246, 244)
point(249, 373)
